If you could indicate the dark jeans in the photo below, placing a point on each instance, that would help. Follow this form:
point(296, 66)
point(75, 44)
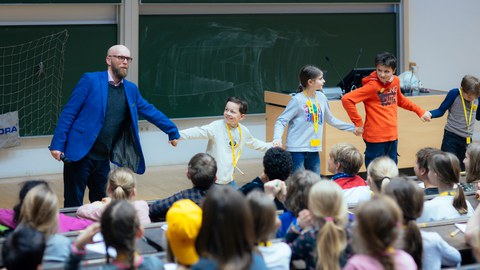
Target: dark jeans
point(86, 172)
point(374, 150)
point(456, 145)
point(306, 160)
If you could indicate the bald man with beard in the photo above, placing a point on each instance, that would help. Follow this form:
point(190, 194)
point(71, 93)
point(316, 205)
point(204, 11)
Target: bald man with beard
point(99, 125)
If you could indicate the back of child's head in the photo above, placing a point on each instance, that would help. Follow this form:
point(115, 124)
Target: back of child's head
point(23, 249)
point(378, 226)
point(423, 156)
point(298, 187)
point(26, 186)
point(409, 197)
point(447, 169)
point(329, 209)
point(277, 163)
point(120, 226)
point(121, 184)
point(242, 104)
point(473, 168)
point(202, 170)
point(226, 234)
point(40, 210)
point(471, 85)
point(386, 59)
point(380, 171)
point(348, 156)
point(264, 215)
point(184, 220)
point(308, 72)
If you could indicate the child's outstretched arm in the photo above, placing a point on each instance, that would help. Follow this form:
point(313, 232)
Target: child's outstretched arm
point(335, 122)
point(203, 132)
point(446, 103)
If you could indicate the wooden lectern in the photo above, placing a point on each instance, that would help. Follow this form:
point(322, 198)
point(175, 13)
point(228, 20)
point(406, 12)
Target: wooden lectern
point(413, 134)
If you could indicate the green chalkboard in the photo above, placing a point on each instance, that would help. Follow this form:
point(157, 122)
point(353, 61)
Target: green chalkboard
point(85, 51)
point(190, 64)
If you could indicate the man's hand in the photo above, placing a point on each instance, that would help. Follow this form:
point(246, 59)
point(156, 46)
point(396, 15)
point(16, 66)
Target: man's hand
point(173, 142)
point(426, 117)
point(56, 154)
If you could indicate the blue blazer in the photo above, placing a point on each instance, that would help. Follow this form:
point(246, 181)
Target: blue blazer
point(82, 118)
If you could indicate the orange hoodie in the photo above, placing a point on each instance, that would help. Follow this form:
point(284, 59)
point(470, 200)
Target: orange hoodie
point(381, 103)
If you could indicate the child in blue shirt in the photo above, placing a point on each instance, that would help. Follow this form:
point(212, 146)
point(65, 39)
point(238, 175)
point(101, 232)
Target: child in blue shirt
point(305, 115)
point(461, 104)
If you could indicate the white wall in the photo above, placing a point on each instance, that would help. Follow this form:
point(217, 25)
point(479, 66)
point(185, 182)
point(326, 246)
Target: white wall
point(444, 40)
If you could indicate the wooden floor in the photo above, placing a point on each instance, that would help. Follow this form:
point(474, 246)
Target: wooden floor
point(156, 183)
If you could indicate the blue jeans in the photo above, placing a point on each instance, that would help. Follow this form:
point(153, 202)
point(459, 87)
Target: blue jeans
point(374, 150)
point(231, 183)
point(306, 161)
point(84, 173)
point(456, 145)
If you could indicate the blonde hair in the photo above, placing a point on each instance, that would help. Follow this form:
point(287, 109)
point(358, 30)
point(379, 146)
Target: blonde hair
point(348, 156)
point(121, 184)
point(40, 210)
point(473, 170)
point(329, 209)
point(380, 171)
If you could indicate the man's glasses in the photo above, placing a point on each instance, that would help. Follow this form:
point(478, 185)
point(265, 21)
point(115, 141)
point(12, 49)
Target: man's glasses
point(122, 58)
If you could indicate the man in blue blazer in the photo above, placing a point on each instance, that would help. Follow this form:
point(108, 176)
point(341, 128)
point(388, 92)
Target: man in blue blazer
point(99, 124)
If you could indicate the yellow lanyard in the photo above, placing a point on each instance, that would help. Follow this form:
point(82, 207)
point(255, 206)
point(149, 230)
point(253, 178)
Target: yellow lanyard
point(232, 146)
point(313, 110)
point(447, 193)
point(468, 120)
point(265, 244)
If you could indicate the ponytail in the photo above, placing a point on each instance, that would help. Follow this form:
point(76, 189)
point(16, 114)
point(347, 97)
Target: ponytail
point(459, 201)
point(386, 260)
point(300, 88)
point(384, 183)
point(413, 242)
point(119, 194)
point(331, 241)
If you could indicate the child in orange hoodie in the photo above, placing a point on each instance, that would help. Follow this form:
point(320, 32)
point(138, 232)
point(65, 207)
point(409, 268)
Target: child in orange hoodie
point(381, 97)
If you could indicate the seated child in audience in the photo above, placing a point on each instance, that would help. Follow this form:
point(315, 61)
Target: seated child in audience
point(121, 186)
point(319, 236)
point(10, 217)
point(296, 200)
point(201, 170)
point(379, 173)
point(23, 249)
point(277, 164)
point(444, 172)
point(226, 139)
point(462, 104)
point(421, 169)
point(226, 239)
point(276, 255)
point(184, 220)
point(428, 249)
point(377, 229)
point(40, 211)
point(344, 162)
point(120, 228)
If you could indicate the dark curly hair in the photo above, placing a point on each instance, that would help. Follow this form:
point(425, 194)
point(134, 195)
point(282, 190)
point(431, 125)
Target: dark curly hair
point(277, 164)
